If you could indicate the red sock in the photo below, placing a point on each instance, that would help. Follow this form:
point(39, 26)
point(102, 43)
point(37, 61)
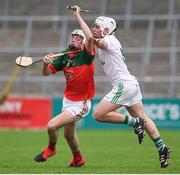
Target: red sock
point(52, 146)
point(77, 156)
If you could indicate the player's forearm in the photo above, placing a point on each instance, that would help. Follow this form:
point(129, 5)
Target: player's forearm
point(45, 70)
point(84, 27)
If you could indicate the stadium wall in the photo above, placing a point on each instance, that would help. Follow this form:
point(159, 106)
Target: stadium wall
point(34, 113)
point(25, 113)
point(164, 111)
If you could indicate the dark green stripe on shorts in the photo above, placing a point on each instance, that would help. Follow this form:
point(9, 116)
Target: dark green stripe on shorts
point(118, 94)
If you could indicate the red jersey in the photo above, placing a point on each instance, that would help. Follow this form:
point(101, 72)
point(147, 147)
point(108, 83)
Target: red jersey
point(78, 68)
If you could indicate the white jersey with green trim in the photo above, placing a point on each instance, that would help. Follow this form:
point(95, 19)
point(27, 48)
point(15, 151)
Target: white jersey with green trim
point(113, 62)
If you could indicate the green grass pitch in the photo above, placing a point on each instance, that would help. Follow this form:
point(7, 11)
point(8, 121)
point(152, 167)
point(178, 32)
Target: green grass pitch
point(106, 152)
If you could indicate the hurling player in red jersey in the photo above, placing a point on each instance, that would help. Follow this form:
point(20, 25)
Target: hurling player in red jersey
point(78, 69)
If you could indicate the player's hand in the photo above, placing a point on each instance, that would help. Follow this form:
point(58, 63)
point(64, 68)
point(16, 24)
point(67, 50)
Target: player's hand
point(76, 10)
point(96, 40)
point(48, 58)
point(100, 43)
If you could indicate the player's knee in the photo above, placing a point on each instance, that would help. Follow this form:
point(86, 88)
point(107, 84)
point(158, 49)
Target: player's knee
point(51, 126)
point(97, 116)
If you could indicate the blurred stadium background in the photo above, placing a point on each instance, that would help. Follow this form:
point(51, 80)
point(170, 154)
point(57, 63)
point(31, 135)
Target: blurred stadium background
point(149, 31)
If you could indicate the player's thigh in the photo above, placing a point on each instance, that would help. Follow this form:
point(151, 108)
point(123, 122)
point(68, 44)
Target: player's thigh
point(137, 110)
point(124, 94)
point(104, 107)
point(61, 120)
point(78, 109)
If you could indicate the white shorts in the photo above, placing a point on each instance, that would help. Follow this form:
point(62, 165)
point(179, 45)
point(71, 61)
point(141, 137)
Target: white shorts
point(124, 94)
point(78, 109)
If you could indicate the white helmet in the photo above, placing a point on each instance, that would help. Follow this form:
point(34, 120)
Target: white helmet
point(76, 32)
point(106, 22)
point(80, 33)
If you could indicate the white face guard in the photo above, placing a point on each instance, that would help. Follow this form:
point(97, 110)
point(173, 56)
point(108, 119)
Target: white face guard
point(79, 33)
point(106, 22)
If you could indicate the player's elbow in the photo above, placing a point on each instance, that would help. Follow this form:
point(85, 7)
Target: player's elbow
point(45, 73)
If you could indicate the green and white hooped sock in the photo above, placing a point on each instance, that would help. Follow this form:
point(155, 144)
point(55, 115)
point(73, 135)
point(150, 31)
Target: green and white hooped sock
point(131, 121)
point(159, 144)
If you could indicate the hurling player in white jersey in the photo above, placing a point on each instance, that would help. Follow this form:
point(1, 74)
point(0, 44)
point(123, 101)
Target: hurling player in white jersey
point(125, 87)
